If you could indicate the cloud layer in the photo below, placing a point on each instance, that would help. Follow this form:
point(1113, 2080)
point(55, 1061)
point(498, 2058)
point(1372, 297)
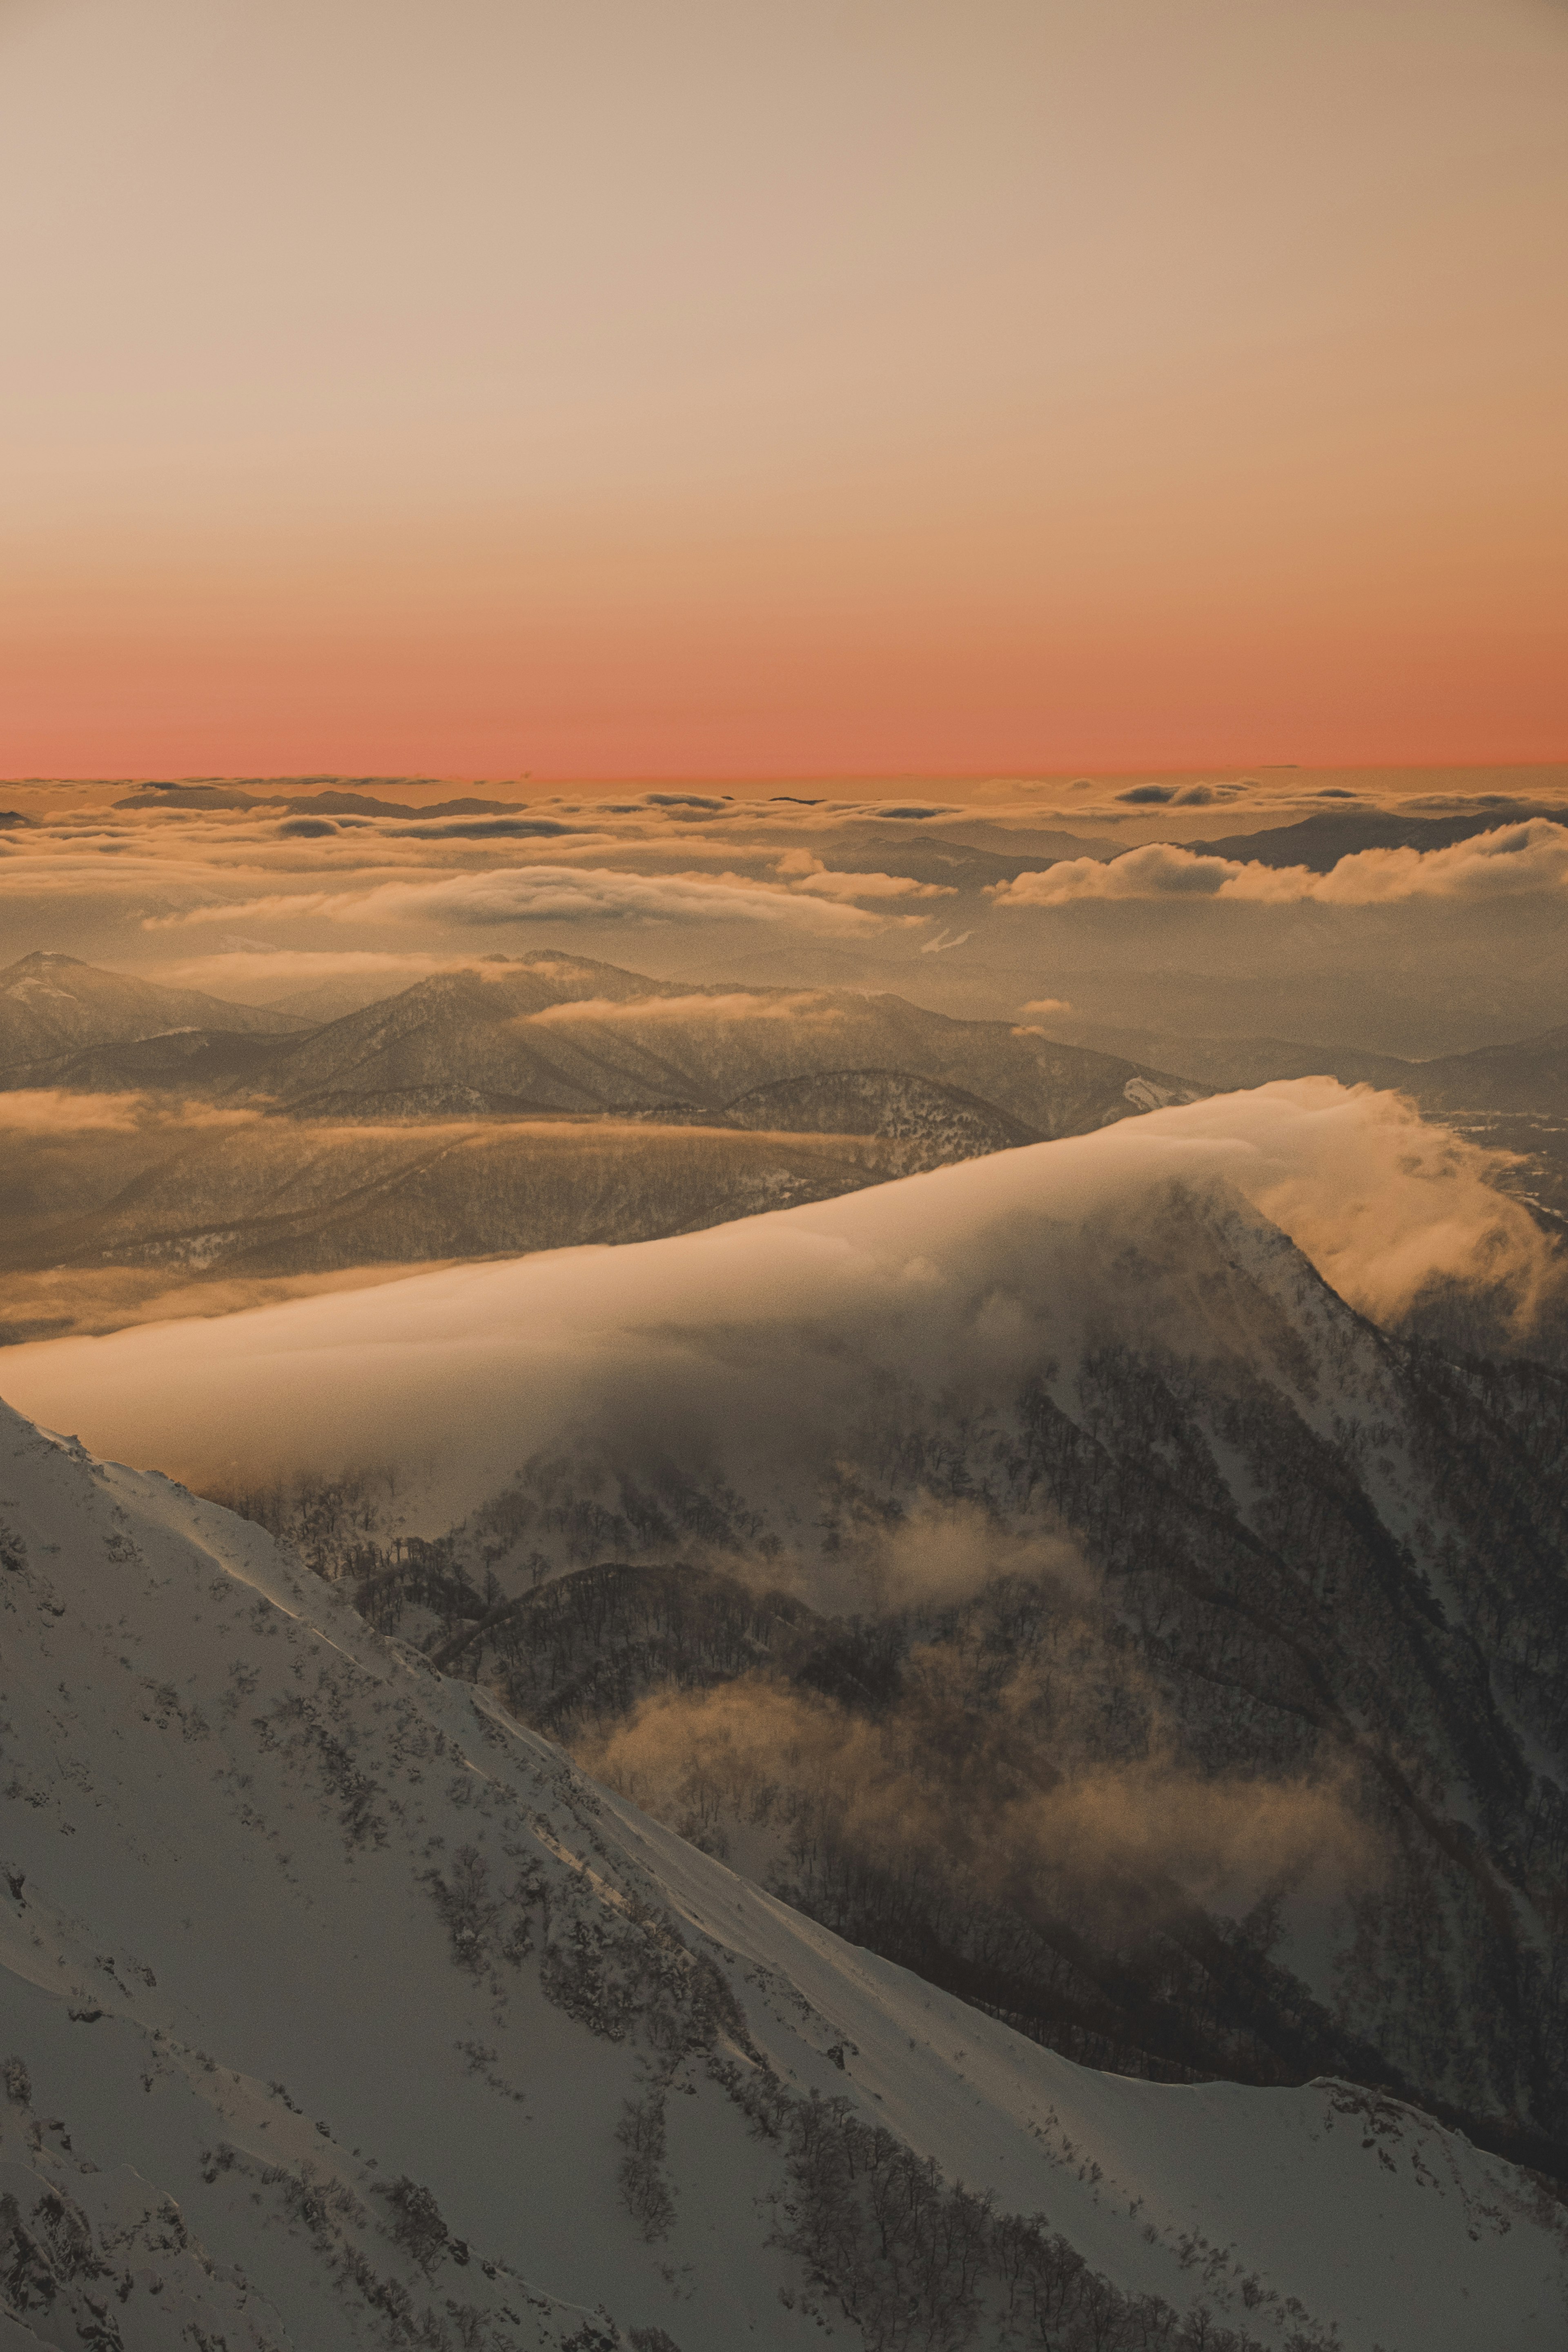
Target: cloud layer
point(554, 894)
point(1513, 861)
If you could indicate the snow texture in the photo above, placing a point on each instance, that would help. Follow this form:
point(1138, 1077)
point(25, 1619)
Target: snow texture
point(339, 2011)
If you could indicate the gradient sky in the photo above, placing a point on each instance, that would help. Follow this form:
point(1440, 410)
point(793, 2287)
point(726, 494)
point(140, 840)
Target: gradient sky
point(711, 388)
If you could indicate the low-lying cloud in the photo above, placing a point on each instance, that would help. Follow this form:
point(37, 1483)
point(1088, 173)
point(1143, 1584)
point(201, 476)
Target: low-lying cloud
point(55, 1111)
point(516, 894)
point(790, 1005)
point(1007, 1800)
point(802, 869)
point(1512, 861)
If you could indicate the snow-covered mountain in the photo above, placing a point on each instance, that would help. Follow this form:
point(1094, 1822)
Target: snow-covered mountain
point(52, 1005)
point(546, 1032)
point(336, 2010)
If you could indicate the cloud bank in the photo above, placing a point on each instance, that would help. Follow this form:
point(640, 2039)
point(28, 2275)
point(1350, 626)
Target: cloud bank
point(1512, 861)
point(513, 894)
point(746, 1351)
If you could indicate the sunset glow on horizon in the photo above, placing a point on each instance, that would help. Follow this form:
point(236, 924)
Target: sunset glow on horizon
point(745, 391)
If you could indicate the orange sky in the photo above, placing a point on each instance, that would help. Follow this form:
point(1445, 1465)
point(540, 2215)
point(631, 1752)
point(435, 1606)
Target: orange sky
point(729, 390)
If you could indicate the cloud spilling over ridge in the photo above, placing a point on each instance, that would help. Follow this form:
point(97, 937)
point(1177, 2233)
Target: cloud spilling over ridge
point(750, 1349)
point(1512, 861)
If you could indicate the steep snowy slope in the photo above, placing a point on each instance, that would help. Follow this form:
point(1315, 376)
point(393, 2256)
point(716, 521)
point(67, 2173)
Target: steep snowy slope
point(336, 2011)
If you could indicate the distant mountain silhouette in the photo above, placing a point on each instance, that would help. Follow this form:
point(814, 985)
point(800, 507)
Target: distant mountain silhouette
point(1319, 841)
point(51, 1005)
point(510, 1034)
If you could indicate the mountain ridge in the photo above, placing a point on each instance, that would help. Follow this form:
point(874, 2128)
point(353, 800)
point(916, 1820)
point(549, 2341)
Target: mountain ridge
point(51, 1004)
point(337, 1961)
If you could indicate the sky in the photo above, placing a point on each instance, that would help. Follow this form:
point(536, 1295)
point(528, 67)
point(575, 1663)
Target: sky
point(536, 391)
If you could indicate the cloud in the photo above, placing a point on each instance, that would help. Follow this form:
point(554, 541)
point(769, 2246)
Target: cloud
point(556, 894)
point(482, 828)
point(1032, 1806)
point(601, 895)
point(1512, 861)
point(52, 1111)
point(46, 1110)
point(1158, 870)
point(909, 812)
point(1183, 795)
point(707, 803)
point(793, 1005)
point(1040, 1007)
point(802, 869)
point(748, 1350)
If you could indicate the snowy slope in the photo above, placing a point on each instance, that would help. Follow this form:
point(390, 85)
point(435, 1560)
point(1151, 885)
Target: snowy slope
point(337, 2010)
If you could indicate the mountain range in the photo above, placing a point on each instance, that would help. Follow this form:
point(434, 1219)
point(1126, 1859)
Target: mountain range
point(554, 1033)
point(53, 1006)
point(522, 1106)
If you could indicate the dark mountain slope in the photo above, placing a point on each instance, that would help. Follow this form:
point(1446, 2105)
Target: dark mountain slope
point(936, 1124)
point(206, 1063)
point(1240, 1747)
point(280, 1196)
point(1529, 1076)
point(340, 2014)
